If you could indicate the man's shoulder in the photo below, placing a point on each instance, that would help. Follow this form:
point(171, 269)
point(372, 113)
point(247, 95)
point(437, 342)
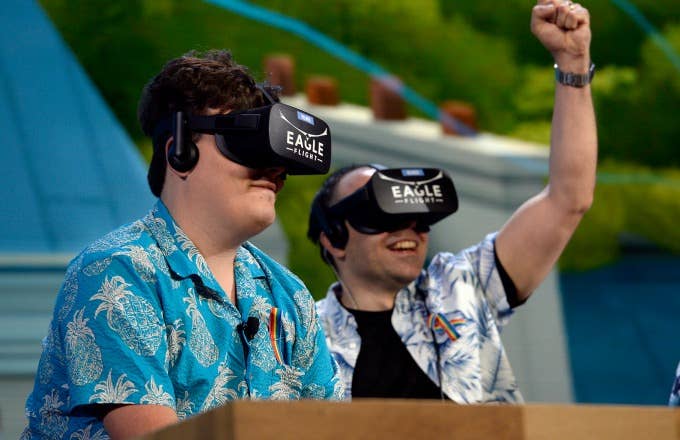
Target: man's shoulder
point(131, 234)
point(322, 307)
point(130, 244)
point(467, 257)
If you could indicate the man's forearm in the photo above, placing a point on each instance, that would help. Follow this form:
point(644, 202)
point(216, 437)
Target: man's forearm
point(573, 154)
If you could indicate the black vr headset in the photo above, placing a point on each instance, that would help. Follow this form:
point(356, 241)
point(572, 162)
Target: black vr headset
point(393, 199)
point(263, 137)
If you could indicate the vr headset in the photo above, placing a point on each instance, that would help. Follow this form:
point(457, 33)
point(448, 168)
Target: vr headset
point(391, 200)
point(273, 135)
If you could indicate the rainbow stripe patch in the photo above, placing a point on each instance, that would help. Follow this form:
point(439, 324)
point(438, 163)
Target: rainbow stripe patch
point(275, 332)
point(439, 322)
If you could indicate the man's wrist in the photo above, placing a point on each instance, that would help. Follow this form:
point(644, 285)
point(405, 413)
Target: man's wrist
point(573, 63)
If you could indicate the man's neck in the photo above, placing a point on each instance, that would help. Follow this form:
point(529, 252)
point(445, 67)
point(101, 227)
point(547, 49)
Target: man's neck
point(217, 245)
point(360, 295)
point(222, 268)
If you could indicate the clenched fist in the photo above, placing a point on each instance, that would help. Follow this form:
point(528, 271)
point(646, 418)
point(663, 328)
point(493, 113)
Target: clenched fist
point(563, 28)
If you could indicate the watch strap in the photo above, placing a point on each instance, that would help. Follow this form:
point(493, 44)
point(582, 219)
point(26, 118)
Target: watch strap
point(575, 79)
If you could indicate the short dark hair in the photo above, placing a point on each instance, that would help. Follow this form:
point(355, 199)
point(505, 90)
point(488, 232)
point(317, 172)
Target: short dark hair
point(319, 218)
point(193, 83)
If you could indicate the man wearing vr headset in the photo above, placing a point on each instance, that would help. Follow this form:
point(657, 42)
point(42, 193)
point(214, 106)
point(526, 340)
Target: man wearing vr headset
point(177, 313)
point(397, 330)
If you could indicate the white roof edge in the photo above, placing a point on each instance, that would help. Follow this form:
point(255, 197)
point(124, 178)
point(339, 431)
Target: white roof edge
point(422, 129)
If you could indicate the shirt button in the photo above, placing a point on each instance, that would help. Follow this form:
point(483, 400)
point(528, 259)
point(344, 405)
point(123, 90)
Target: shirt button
point(352, 345)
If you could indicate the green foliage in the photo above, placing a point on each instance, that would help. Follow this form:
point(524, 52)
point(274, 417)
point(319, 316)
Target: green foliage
point(123, 44)
point(629, 200)
point(442, 60)
point(532, 131)
point(479, 52)
point(293, 204)
point(596, 240)
point(653, 206)
point(533, 104)
point(638, 110)
point(616, 38)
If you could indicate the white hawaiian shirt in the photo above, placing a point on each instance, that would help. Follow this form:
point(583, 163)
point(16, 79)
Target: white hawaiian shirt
point(675, 390)
point(140, 319)
point(460, 300)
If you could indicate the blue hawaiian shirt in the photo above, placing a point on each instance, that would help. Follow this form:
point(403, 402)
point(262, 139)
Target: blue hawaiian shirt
point(675, 391)
point(459, 299)
point(140, 319)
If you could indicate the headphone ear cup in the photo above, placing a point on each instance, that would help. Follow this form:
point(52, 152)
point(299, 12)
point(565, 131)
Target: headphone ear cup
point(337, 234)
point(184, 160)
point(320, 221)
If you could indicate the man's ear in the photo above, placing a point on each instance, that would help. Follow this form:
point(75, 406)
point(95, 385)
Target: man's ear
point(336, 253)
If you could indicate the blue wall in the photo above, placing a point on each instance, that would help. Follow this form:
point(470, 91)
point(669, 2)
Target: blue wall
point(623, 328)
point(69, 171)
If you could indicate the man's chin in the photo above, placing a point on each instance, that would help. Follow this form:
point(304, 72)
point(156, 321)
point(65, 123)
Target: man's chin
point(406, 275)
point(262, 222)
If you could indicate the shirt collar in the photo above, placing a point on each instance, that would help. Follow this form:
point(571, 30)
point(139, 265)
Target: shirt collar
point(337, 309)
point(402, 303)
point(184, 258)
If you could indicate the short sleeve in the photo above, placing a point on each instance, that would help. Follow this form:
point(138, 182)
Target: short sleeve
point(115, 338)
point(482, 259)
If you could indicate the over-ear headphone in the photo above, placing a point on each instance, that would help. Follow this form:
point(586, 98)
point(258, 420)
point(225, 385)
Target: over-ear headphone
point(334, 228)
point(183, 152)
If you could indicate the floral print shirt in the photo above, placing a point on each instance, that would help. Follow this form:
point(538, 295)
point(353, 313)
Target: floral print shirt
point(140, 319)
point(460, 303)
point(675, 391)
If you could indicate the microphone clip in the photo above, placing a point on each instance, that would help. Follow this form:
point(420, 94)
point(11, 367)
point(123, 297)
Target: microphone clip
point(249, 328)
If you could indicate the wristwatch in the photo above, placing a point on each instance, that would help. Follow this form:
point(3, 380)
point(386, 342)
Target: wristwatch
point(574, 79)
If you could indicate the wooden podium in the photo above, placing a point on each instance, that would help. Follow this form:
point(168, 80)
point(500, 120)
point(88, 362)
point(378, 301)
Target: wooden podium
point(420, 419)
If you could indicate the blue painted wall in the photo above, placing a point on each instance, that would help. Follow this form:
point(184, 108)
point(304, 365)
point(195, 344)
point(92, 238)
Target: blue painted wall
point(623, 328)
point(69, 171)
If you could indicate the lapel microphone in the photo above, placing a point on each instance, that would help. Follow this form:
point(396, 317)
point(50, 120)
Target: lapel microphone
point(249, 328)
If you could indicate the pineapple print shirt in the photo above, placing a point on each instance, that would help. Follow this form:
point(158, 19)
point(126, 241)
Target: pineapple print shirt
point(459, 301)
point(140, 319)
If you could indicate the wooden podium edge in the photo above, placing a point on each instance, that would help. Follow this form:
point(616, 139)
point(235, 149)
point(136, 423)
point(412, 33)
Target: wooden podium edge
point(407, 419)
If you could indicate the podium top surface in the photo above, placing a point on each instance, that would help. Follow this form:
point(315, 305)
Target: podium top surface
point(408, 419)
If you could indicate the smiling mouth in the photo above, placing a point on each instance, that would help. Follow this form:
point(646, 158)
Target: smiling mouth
point(404, 245)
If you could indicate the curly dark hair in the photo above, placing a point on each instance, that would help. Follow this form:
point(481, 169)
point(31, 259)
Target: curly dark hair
point(193, 83)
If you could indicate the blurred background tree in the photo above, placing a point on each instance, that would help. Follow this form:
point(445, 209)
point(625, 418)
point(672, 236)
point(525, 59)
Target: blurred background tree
point(479, 52)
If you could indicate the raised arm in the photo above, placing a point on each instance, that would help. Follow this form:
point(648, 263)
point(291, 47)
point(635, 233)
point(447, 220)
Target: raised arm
point(529, 244)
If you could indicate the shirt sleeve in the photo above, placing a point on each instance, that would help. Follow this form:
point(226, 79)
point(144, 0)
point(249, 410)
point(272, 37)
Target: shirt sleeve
point(115, 338)
point(483, 261)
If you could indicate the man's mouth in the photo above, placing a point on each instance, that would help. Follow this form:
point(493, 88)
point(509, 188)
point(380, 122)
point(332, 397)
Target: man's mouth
point(404, 245)
point(266, 184)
